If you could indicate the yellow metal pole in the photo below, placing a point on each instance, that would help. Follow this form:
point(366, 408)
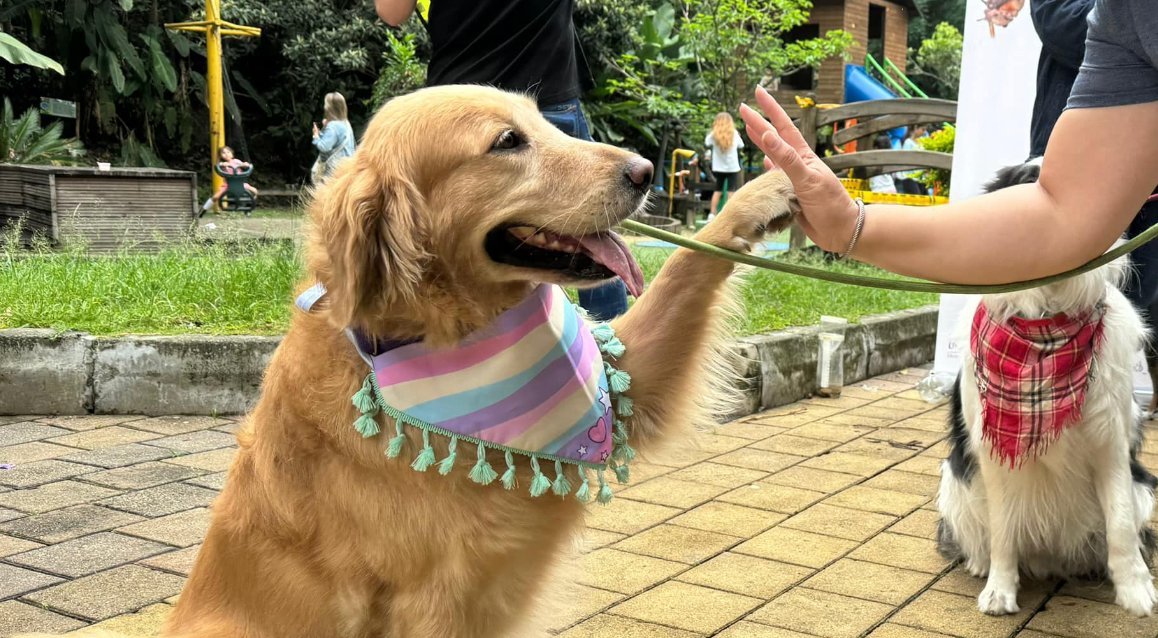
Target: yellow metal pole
point(680, 152)
point(214, 27)
point(213, 84)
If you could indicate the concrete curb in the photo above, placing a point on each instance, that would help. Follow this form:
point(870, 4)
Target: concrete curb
point(46, 372)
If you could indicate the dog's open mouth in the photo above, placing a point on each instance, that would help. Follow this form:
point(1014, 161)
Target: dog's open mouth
point(592, 257)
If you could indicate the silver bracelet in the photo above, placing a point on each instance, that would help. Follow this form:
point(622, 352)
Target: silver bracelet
point(856, 231)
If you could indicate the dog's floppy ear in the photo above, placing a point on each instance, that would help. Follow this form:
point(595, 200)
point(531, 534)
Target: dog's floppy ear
point(370, 230)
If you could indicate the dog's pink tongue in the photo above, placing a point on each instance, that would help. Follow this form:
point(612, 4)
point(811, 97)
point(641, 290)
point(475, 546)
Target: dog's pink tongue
point(608, 249)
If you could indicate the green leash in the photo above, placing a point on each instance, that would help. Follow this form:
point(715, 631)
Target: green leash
point(878, 282)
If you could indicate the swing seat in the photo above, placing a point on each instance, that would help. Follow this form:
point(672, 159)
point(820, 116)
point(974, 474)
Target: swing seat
point(235, 198)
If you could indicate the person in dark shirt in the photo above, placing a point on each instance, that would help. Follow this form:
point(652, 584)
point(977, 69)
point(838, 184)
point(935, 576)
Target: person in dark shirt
point(516, 45)
point(1061, 25)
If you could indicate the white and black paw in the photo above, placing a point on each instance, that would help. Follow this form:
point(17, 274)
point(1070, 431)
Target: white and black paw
point(998, 601)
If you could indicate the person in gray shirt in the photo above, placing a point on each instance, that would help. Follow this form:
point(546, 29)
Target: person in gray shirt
point(1100, 166)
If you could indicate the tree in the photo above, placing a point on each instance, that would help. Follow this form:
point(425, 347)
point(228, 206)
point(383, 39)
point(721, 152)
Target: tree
point(939, 58)
point(930, 13)
point(647, 88)
point(140, 89)
point(307, 49)
point(607, 28)
point(733, 41)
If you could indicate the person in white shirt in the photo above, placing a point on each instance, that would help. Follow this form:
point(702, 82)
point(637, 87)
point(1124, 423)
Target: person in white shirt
point(882, 182)
point(725, 144)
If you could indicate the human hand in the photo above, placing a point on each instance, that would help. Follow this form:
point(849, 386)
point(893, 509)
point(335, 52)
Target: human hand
point(324, 122)
point(828, 214)
point(316, 129)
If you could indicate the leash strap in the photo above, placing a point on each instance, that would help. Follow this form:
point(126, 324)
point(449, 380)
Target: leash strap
point(907, 285)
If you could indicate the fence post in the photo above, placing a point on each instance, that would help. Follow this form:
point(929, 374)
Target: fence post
point(808, 112)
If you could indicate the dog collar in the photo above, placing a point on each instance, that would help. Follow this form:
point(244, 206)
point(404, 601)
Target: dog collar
point(533, 383)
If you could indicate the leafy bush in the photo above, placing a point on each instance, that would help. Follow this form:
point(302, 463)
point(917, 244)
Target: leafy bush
point(23, 141)
point(937, 178)
point(403, 72)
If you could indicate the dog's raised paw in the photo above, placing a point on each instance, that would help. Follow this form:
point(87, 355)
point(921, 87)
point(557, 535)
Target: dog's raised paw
point(1138, 598)
point(764, 205)
point(995, 601)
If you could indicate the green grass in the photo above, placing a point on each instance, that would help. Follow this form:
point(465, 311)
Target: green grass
point(235, 288)
point(774, 300)
point(263, 212)
point(244, 287)
point(278, 212)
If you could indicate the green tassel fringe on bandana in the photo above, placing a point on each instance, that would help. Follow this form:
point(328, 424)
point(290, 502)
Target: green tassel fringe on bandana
point(368, 401)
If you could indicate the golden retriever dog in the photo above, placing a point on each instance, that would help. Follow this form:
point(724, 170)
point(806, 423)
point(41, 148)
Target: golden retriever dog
point(423, 234)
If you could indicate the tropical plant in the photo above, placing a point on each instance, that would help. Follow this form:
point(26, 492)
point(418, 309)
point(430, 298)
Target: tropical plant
point(124, 71)
point(939, 58)
point(733, 41)
point(16, 52)
point(938, 178)
point(23, 141)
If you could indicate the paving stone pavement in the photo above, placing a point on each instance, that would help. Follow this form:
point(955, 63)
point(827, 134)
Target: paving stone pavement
point(813, 520)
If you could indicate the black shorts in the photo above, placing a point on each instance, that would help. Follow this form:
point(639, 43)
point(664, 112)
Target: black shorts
point(733, 179)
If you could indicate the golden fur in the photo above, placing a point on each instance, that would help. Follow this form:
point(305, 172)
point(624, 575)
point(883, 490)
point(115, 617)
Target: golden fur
point(317, 533)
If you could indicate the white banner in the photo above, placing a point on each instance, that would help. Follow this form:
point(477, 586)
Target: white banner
point(995, 104)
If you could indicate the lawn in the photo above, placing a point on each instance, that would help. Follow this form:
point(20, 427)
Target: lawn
point(244, 288)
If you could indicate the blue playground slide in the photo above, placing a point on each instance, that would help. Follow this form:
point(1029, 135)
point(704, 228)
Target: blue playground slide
point(859, 86)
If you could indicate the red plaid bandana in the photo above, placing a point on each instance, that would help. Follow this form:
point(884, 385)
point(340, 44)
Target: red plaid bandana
point(1032, 375)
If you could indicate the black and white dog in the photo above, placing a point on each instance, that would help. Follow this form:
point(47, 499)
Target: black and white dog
point(1079, 506)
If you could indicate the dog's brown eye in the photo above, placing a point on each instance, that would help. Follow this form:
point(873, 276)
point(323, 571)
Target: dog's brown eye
point(507, 140)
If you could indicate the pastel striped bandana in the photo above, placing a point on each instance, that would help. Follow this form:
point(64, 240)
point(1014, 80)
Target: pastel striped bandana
point(531, 384)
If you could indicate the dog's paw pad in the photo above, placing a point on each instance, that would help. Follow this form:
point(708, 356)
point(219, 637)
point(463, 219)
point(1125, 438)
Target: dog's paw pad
point(997, 602)
point(1138, 598)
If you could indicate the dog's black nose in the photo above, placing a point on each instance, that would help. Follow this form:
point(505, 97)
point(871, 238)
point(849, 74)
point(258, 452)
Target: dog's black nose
point(639, 172)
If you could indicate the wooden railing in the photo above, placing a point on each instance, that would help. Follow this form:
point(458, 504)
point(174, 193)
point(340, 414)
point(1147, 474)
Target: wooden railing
point(872, 118)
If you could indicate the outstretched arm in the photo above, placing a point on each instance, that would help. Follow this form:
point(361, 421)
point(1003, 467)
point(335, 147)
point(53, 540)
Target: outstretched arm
point(1093, 181)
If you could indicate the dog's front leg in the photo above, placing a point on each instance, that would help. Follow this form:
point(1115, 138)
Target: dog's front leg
point(1000, 594)
point(1133, 585)
point(671, 328)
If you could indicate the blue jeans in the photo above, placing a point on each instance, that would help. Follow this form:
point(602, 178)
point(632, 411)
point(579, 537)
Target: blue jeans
point(609, 300)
